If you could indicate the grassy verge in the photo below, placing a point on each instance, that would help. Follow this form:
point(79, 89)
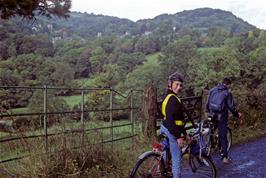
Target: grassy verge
point(88, 161)
point(245, 134)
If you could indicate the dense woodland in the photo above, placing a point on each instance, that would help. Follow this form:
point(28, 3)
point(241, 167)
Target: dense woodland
point(88, 50)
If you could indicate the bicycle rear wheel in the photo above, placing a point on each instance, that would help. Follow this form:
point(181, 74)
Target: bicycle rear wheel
point(229, 139)
point(149, 165)
point(213, 144)
point(202, 167)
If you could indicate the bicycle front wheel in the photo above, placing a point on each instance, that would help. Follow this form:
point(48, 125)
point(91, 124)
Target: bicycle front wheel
point(149, 165)
point(202, 167)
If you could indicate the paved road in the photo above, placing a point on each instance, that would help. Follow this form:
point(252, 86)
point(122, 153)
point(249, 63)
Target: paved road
point(249, 160)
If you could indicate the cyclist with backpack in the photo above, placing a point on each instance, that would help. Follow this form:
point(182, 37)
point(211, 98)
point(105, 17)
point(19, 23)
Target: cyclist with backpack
point(221, 100)
point(173, 123)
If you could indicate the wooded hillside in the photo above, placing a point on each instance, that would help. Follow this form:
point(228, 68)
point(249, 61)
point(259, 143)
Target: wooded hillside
point(96, 50)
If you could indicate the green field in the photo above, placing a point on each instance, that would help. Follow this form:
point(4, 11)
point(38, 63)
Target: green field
point(73, 100)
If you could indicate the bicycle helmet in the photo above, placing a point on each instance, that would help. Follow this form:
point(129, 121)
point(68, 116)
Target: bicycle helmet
point(176, 77)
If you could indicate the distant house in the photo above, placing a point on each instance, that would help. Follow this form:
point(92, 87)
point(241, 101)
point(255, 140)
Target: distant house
point(99, 34)
point(56, 39)
point(174, 28)
point(147, 32)
point(50, 27)
point(127, 33)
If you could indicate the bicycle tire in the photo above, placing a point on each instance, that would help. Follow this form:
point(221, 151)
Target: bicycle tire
point(202, 167)
point(154, 169)
point(212, 148)
point(208, 140)
point(229, 139)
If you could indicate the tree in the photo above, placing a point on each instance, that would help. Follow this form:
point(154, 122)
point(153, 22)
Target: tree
point(12, 97)
point(98, 60)
point(254, 69)
point(31, 8)
point(147, 45)
point(211, 65)
point(128, 62)
point(216, 36)
point(176, 56)
point(262, 38)
point(146, 74)
point(63, 74)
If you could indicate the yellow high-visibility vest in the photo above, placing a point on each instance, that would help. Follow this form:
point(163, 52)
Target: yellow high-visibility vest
point(177, 121)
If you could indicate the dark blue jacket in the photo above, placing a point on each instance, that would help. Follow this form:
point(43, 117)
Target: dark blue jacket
point(229, 100)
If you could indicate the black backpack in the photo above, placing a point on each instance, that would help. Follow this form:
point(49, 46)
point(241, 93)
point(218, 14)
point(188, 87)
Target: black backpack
point(217, 100)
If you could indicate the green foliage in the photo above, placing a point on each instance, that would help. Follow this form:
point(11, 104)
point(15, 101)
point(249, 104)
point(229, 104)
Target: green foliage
point(128, 62)
point(202, 44)
point(147, 45)
point(30, 8)
point(108, 78)
point(211, 65)
point(146, 74)
point(54, 103)
point(98, 100)
point(176, 56)
point(74, 100)
point(201, 19)
point(99, 51)
point(216, 36)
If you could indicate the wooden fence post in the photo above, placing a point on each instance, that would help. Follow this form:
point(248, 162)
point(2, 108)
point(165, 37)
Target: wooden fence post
point(149, 111)
point(45, 118)
point(203, 103)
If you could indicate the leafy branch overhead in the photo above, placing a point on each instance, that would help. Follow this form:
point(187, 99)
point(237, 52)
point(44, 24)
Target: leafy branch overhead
point(31, 8)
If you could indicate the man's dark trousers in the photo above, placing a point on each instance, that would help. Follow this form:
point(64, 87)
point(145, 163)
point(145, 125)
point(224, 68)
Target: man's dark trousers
point(222, 129)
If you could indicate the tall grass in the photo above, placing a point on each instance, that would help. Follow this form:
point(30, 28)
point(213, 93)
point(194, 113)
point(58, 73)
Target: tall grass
point(64, 160)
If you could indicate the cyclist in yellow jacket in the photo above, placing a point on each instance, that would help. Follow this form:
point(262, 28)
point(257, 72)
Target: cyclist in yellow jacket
point(173, 122)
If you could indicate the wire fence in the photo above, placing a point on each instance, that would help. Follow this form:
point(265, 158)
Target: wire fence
point(98, 115)
point(44, 118)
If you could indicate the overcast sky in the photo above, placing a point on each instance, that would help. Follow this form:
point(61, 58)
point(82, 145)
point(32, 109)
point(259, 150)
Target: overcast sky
point(252, 11)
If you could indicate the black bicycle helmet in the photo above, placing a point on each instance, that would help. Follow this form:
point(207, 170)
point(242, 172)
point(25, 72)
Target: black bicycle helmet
point(176, 77)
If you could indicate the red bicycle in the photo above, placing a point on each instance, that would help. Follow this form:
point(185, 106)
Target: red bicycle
point(196, 164)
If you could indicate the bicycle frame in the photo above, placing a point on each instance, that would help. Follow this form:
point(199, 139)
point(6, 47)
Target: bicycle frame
point(213, 137)
point(157, 163)
point(158, 148)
